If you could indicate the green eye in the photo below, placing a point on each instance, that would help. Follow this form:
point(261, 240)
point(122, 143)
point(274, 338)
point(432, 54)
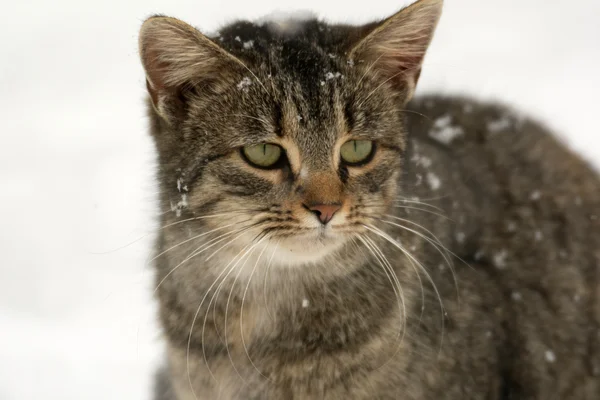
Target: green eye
point(264, 155)
point(356, 151)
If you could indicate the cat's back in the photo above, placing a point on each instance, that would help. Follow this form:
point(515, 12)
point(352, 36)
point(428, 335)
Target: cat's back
point(515, 165)
point(530, 212)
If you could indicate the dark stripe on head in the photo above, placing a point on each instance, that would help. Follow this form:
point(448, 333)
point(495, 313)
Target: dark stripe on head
point(278, 119)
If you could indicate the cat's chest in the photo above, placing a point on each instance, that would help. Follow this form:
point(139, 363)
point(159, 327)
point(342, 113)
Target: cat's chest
point(300, 354)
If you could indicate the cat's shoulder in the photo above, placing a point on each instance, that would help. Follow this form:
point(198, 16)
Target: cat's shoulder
point(451, 120)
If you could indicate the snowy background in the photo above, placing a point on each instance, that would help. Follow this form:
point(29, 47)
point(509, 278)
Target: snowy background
point(77, 320)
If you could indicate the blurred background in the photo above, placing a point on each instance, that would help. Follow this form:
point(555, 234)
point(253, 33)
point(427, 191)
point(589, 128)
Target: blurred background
point(77, 193)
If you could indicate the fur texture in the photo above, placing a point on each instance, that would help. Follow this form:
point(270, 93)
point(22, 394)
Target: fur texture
point(464, 261)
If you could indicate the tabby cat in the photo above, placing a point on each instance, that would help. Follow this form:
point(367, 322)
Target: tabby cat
point(325, 238)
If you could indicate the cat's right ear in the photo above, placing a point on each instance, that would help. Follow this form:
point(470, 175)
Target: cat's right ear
point(176, 58)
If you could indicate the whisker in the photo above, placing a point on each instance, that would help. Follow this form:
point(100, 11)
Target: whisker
point(406, 111)
point(159, 229)
point(201, 249)
point(389, 271)
point(367, 71)
point(435, 243)
point(194, 322)
point(385, 264)
point(395, 205)
point(242, 310)
point(377, 88)
point(251, 117)
point(265, 281)
point(255, 77)
point(219, 249)
point(420, 203)
point(408, 254)
point(248, 253)
point(428, 198)
point(425, 210)
point(204, 217)
point(190, 239)
point(414, 267)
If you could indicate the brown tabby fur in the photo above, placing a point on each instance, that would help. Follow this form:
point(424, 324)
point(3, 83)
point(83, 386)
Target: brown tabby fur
point(464, 263)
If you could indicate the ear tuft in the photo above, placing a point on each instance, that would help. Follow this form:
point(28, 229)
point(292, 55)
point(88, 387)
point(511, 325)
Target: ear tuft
point(397, 46)
point(175, 55)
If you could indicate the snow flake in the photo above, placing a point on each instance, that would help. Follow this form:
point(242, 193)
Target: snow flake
point(244, 83)
point(249, 44)
point(322, 83)
point(550, 356)
point(181, 204)
point(237, 39)
point(446, 135)
point(538, 236)
point(535, 195)
point(460, 237)
point(516, 296)
point(331, 75)
point(305, 303)
point(442, 122)
point(422, 160)
point(499, 259)
point(350, 63)
point(499, 125)
point(433, 181)
point(443, 131)
point(303, 173)
point(419, 180)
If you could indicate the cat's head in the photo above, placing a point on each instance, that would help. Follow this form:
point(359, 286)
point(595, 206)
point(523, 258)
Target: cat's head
point(290, 133)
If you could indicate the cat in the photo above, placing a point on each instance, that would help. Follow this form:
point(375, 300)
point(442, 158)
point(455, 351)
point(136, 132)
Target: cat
point(326, 236)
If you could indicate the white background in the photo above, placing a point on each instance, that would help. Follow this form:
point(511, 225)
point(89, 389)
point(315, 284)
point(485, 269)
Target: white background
point(76, 164)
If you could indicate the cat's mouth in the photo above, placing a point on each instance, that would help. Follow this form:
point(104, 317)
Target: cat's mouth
point(308, 245)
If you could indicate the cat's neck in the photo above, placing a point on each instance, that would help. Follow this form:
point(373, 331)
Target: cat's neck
point(279, 299)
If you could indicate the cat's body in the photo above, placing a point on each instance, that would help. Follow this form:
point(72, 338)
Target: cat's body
point(526, 321)
point(471, 265)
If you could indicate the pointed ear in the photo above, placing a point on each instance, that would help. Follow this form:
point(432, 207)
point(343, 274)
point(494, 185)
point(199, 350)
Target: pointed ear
point(177, 57)
point(397, 46)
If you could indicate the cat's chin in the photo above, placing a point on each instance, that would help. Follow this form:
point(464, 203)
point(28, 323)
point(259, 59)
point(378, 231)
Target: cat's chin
point(307, 248)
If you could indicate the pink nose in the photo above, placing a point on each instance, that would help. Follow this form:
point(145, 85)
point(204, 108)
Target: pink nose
point(324, 212)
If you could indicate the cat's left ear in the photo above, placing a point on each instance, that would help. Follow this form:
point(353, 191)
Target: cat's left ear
point(396, 47)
